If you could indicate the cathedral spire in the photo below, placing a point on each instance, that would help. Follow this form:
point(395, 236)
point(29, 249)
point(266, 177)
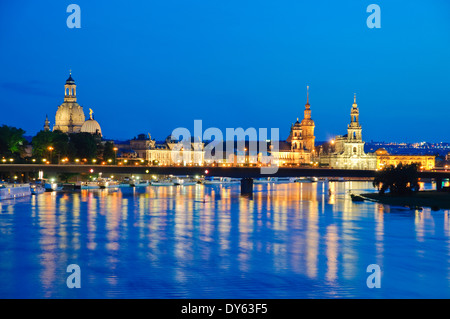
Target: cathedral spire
point(47, 124)
point(307, 95)
point(307, 106)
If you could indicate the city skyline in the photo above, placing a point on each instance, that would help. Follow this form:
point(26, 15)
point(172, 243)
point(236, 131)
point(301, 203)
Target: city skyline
point(251, 66)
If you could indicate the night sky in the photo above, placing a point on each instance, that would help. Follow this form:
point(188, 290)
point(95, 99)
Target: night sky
point(152, 66)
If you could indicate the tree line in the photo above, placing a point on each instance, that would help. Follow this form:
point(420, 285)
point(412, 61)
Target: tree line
point(53, 146)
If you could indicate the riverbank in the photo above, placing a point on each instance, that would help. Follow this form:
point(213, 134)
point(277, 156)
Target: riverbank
point(433, 199)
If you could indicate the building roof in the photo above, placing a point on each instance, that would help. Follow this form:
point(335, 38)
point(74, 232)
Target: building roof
point(91, 126)
point(70, 80)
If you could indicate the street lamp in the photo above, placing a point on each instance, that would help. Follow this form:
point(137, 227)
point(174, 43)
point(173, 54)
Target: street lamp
point(50, 148)
point(115, 149)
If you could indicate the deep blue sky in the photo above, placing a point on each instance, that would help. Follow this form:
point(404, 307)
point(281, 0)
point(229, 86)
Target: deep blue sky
point(154, 65)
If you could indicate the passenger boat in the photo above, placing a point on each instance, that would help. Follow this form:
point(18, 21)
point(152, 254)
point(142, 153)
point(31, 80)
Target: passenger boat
point(212, 180)
point(11, 191)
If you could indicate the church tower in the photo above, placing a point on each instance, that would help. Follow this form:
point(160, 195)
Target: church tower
point(70, 90)
point(47, 124)
point(307, 126)
point(295, 137)
point(354, 128)
point(70, 116)
point(354, 144)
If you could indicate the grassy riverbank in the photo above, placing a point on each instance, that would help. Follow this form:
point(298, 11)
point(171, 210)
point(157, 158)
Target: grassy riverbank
point(431, 199)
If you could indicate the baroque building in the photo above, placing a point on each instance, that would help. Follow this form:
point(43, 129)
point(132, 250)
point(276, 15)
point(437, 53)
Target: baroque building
point(299, 148)
point(70, 116)
point(171, 152)
point(348, 150)
point(426, 162)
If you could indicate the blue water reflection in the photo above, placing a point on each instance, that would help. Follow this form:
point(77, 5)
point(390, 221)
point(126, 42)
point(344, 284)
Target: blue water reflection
point(303, 240)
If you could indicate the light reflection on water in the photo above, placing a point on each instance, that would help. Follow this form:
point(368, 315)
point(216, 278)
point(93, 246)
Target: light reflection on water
point(303, 240)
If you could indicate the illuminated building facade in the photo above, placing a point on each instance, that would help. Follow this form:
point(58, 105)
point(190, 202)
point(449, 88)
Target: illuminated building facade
point(348, 150)
point(70, 116)
point(426, 162)
point(299, 148)
point(172, 152)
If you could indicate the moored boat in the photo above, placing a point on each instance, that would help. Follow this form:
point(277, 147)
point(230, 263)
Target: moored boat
point(140, 183)
point(213, 180)
point(162, 183)
point(306, 180)
point(262, 180)
point(53, 187)
point(90, 185)
point(281, 180)
point(357, 198)
point(178, 181)
point(37, 189)
point(11, 191)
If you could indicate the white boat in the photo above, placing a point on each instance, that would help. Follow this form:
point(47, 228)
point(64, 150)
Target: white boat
point(306, 180)
point(53, 187)
point(37, 189)
point(140, 183)
point(183, 181)
point(90, 185)
point(281, 180)
point(162, 183)
point(220, 180)
point(189, 183)
point(11, 191)
point(107, 183)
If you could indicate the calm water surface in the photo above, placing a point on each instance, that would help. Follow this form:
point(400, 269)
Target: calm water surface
point(288, 241)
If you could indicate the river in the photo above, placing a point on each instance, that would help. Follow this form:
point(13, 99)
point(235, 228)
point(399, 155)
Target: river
point(302, 240)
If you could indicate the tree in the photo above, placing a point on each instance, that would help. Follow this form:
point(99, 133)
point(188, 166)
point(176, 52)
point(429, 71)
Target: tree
point(66, 176)
point(108, 151)
point(84, 145)
point(399, 180)
point(56, 139)
point(11, 140)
